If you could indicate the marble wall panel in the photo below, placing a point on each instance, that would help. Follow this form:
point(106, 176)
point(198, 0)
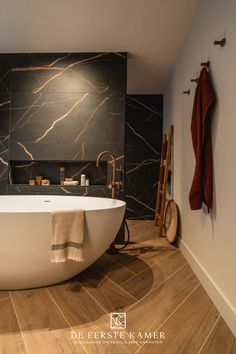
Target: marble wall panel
point(63, 126)
point(61, 107)
point(5, 102)
point(69, 72)
point(143, 147)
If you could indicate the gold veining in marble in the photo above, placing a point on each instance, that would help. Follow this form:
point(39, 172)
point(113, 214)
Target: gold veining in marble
point(139, 202)
point(141, 137)
point(141, 164)
point(90, 118)
point(68, 67)
point(5, 103)
point(65, 115)
point(81, 170)
point(26, 151)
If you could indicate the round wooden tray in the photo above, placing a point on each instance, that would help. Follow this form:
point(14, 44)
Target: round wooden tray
point(171, 220)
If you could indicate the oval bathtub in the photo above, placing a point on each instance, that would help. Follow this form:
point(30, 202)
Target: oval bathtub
point(25, 223)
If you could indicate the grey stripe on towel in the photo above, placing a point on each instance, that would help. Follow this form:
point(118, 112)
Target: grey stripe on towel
point(61, 246)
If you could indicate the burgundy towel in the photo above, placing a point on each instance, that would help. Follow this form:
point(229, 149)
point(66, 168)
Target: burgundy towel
point(202, 185)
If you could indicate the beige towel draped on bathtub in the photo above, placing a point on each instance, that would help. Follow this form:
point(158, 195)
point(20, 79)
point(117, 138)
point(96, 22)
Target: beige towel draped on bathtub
point(67, 235)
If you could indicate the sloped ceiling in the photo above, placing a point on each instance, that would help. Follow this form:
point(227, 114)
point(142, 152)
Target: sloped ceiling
point(151, 31)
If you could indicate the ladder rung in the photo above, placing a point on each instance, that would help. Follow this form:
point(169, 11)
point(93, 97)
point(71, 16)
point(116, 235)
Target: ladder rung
point(163, 178)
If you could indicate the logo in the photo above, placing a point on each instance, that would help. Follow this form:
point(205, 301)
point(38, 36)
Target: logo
point(118, 320)
point(117, 335)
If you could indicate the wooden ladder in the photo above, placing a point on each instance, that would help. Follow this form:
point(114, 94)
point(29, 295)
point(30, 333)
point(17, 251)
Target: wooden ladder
point(163, 179)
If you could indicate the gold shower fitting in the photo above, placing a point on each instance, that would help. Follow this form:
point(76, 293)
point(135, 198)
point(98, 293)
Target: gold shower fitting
point(113, 185)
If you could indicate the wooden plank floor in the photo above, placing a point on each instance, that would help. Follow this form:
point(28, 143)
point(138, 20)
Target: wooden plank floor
point(150, 281)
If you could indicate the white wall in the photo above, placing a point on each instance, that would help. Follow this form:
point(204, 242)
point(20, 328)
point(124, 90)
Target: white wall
point(208, 241)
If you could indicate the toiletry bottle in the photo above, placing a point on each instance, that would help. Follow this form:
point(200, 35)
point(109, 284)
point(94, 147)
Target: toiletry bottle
point(82, 180)
point(62, 175)
point(87, 182)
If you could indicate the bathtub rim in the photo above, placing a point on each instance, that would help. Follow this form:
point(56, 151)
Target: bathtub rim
point(120, 203)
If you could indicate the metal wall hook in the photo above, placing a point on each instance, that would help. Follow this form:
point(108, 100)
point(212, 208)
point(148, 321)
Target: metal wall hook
point(186, 92)
point(221, 42)
point(206, 63)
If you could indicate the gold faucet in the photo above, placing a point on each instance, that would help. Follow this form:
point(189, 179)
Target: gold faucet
point(113, 185)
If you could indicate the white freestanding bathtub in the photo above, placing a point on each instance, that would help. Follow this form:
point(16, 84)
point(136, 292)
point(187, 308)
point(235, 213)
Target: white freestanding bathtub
point(25, 237)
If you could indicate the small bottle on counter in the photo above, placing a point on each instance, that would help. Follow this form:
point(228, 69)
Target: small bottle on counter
point(62, 175)
point(87, 182)
point(83, 180)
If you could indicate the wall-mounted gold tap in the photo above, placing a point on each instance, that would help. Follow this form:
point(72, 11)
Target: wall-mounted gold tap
point(113, 185)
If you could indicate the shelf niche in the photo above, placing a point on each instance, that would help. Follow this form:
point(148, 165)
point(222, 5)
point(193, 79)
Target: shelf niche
point(20, 172)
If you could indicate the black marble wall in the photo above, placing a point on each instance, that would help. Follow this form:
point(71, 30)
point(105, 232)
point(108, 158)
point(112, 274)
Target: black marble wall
point(143, 146)
point(64, 107)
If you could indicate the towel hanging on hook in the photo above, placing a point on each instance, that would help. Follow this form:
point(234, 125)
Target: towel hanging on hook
point(201, 189)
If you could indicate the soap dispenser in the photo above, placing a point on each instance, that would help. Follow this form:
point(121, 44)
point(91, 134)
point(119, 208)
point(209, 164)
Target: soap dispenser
point(83, 180)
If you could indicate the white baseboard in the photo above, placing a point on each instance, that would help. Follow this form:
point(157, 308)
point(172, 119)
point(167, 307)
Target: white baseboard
point(223, 305)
